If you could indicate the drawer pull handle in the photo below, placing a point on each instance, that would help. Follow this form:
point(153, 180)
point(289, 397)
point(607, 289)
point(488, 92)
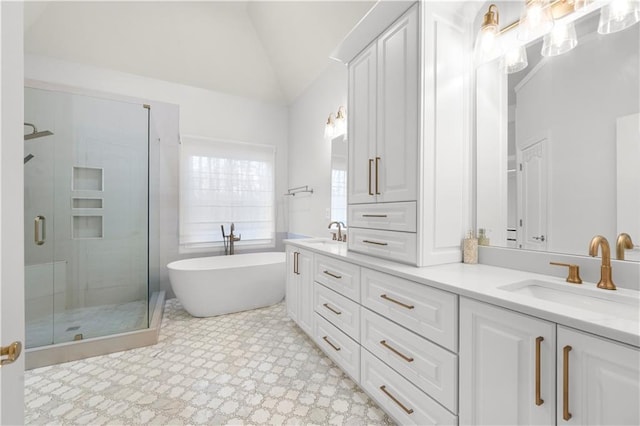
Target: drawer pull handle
point(375, 242)
point(377, 175)
point(335, 311)
point(539, 400)
point(337, 348)
point(383, 388)
point(566, 415)
point(374, 215)
point(370, 164)
point(395, 351)
point(338, 277)
point(404, 305)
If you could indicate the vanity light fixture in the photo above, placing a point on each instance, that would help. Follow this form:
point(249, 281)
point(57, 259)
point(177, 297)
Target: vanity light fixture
point(486, 41)
point(330, 127)
point(340, 122)
point(618, 15)
point(515, 60)
point(545, 17)
point(560, 40)
point(536, 20)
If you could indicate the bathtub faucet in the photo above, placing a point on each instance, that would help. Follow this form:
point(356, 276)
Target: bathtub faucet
point(229, 240)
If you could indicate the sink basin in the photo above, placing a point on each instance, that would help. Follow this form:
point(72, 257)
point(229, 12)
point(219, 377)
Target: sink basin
point(576, 296)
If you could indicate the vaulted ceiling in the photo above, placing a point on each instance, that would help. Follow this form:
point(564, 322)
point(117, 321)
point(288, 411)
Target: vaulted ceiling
point(265, 50)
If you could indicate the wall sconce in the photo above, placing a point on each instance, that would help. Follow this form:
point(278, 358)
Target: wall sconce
point(546, 17)
point(336, 124)
point(341, 122)
point(330, 127)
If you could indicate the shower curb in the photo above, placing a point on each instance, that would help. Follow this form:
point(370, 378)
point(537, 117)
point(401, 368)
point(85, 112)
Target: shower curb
point(73, 351)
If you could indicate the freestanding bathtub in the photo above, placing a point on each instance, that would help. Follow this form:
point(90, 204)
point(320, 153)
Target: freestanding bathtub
point(217, 285)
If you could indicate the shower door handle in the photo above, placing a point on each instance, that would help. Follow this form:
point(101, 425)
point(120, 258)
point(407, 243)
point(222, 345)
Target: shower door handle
point(39, 223)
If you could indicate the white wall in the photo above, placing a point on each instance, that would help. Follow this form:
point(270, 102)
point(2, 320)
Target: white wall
point(202, 113)
point(310, 153)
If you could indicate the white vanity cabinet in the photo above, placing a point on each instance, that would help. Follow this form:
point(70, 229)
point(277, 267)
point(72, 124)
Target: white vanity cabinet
point(500, 376)
point(512, 371)
point(299, 287)
point(602, 385)
point(406, 153)
point(383, 124)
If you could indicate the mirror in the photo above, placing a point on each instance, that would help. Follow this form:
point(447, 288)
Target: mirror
point(339, 179)
point(558, 145)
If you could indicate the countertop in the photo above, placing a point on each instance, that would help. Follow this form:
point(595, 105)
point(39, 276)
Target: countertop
point(483, 282)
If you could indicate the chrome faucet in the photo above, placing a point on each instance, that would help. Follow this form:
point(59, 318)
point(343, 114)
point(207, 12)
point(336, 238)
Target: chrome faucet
point(605, 269)
point(229, 240)
point(340, 226)
point(623, 242)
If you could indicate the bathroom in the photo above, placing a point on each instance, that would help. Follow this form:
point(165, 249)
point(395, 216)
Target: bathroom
point(281, 110)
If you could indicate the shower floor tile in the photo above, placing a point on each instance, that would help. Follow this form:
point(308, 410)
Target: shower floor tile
point(254, 367)
point(90, 322)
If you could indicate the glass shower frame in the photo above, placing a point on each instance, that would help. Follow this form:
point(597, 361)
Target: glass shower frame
point(96, 170)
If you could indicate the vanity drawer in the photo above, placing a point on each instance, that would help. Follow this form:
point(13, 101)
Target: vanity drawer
point(397, 396)
point(399, 246)
point(338, 310)
point(387, 216)
point(427, 311)
point(339, 276)
point(432, 369)
point(343, 350)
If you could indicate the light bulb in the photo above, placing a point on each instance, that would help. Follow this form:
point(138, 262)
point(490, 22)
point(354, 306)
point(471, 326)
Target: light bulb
point(515, 60)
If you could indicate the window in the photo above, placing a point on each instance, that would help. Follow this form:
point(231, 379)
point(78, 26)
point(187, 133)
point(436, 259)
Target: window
point(224, 182)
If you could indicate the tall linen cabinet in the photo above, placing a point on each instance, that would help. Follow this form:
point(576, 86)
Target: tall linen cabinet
point(409, 124)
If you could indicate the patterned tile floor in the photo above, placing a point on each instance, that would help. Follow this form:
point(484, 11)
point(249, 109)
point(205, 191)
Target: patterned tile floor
point(254, 367)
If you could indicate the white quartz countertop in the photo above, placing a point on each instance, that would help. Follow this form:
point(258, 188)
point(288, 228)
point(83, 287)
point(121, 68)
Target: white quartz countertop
point(483, 282)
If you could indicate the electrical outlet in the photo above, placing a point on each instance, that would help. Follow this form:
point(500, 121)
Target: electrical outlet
point(327, 213)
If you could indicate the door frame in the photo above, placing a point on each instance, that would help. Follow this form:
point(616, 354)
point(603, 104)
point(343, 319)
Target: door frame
point(12, 207)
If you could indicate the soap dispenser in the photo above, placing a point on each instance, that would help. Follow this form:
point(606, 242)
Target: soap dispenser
point(470, 249)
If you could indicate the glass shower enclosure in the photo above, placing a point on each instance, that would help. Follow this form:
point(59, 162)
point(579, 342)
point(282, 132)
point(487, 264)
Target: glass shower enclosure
point(86, 199)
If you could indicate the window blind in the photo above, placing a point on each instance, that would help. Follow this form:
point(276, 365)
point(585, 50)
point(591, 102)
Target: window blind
point(223, 182)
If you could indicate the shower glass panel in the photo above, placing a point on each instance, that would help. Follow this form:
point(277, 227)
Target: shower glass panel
point(86, 217)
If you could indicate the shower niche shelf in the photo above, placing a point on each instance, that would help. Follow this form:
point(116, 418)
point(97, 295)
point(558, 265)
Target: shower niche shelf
point(87, 179)
point(86, 203)
point(86, 227)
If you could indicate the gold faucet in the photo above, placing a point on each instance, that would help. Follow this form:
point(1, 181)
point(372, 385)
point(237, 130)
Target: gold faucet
point(623, 242)
point(605, 270)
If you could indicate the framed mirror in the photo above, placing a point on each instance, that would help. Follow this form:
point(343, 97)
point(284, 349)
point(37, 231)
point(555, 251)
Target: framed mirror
point(339, 179)
point(558, 145)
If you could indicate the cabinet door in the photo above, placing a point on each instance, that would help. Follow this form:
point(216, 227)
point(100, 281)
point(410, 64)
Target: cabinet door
point(362, 127)
point(498, 368)
point(603, 386)
point(292, 284)
point(396, 164)
point(305, 291)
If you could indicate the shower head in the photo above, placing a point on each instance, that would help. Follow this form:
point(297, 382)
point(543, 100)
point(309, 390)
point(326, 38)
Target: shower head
point(27, 158)
point(36, 133)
